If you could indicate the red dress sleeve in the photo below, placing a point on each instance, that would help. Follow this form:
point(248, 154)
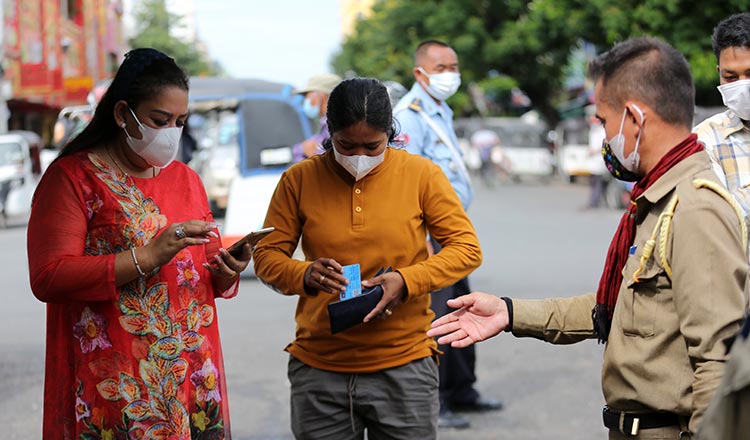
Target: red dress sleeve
point(59, 271)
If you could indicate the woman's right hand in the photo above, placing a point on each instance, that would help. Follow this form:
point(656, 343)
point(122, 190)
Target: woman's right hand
point(325, 274)
point(176, 237)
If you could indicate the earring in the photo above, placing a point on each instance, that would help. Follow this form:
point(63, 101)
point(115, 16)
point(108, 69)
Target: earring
point(123, 125)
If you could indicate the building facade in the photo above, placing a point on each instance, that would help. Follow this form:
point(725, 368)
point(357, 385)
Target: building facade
point(54, 52)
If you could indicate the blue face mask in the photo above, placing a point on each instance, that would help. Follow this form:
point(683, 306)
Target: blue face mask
point(311, 111)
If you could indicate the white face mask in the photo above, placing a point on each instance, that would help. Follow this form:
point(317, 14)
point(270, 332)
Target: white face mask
point(358, 165)
point(617, 145)
point(158, 147)
point(442, 85)
point(736, 96)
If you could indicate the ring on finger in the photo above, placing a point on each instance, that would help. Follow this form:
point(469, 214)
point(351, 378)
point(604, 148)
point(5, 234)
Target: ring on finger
point(179, 231)
point(322, 278)
point(387, 312)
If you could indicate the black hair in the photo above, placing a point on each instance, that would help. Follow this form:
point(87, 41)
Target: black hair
point(360, 100)
point(142, 74)
point(650, 70)
point(733, 31)
point(423, 47)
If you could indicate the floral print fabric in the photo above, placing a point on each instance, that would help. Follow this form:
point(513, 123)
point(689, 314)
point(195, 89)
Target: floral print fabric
point(147, 363)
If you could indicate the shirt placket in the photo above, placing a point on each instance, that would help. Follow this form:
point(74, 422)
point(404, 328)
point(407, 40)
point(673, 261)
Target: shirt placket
point(358, 212)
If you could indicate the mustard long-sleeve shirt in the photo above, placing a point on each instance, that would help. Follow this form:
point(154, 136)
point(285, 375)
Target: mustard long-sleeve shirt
point(379, 221)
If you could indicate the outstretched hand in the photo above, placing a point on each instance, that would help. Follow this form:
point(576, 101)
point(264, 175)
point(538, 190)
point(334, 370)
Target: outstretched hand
point(480, 317)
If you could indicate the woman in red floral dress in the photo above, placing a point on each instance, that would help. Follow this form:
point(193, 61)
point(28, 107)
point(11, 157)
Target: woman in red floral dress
point(123, 248)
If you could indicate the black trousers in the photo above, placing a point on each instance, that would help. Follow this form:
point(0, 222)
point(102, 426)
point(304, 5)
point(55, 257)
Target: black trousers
point(456, 366)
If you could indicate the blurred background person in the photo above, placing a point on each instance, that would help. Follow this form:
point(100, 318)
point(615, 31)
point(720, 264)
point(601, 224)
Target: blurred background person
point(426, 124)
point(484, 142)
point(188, 143)
point(598, 174)
point(315, 106)
point(727, 135)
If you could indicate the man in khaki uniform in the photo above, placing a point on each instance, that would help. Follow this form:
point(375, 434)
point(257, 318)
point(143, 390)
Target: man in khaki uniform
point(672, 287)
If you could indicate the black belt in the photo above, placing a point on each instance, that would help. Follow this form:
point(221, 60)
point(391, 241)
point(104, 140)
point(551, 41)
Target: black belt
point(630, 424)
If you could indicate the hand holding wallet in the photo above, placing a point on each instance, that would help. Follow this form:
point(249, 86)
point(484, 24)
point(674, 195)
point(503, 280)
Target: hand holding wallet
point(348, 313)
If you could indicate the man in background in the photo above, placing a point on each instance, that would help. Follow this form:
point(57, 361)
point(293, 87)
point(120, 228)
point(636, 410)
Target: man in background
point(426, 124)
point(315, 106)
point(727, 135)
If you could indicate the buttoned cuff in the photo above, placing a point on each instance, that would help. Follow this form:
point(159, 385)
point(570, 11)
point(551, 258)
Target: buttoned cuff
point(412, 282)
point(299, 270)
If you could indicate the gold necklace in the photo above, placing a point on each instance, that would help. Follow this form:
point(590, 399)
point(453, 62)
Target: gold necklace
point(106, 148)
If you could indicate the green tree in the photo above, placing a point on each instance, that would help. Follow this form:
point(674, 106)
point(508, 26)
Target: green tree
point(686, 24)
point(529, 41)
point(153, 25)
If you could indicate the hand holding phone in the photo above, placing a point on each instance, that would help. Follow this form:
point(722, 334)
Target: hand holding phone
point(252, 238)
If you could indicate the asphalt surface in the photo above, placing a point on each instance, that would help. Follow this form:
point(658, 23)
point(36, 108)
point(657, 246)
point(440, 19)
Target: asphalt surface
point(536, 241)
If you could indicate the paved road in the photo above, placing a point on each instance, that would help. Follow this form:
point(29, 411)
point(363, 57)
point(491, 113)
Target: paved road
point(536, 243)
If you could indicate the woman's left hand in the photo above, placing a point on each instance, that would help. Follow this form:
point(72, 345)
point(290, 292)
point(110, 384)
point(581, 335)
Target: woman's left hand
point(393, 292)
point(224, 265)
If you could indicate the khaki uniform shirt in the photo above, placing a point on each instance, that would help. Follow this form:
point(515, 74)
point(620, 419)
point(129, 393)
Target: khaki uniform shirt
point(665, 350)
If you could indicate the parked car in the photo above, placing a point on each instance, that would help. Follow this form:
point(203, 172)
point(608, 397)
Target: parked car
point(21, 167)
point(525, 146)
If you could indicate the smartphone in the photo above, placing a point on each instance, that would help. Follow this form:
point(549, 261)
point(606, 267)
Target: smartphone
point(253, 238)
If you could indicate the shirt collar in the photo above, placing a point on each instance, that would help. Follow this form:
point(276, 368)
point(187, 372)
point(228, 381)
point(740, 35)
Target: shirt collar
point(666, 183)
point(733, 124)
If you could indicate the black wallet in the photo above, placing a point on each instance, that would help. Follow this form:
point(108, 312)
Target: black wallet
point(350, 312)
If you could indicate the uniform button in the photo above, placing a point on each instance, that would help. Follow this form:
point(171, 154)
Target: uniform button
point(358, 209)
point(357, 191)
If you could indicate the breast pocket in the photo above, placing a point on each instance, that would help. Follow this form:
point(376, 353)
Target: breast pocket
point(642, 297)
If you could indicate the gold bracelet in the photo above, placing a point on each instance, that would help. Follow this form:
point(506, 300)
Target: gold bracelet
point(137, 266)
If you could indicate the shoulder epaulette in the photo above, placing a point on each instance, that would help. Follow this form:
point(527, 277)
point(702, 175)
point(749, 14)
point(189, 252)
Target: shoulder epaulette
point(416, 105)
point(664, 225)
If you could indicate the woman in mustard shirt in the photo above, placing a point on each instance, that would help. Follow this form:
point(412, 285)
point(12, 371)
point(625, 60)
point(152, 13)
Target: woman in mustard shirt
point(364, 203)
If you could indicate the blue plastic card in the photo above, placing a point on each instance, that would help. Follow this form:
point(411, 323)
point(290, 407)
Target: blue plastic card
point(354, 288)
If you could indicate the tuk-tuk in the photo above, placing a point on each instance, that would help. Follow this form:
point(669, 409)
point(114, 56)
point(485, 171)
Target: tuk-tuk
point(248, 128)
point(21, 167)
